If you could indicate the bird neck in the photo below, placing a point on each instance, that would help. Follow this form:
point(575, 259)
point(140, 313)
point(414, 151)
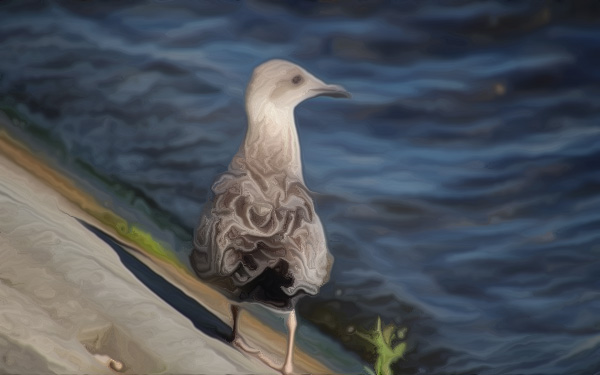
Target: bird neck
point(271, 141)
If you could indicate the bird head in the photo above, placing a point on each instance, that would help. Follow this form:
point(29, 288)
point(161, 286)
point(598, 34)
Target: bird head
point(285, 85)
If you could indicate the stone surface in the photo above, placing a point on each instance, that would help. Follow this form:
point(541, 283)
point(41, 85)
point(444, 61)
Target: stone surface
point(68, 305)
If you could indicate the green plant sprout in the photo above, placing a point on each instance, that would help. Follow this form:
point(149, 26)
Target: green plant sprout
point(383, 340)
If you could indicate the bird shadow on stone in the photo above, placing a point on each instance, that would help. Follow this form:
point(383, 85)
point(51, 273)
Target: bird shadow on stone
point(200, 317)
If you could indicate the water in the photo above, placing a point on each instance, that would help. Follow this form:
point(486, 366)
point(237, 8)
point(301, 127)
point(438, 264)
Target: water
point(459, 187)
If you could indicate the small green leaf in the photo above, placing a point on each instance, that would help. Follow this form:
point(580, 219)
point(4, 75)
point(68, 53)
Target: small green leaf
point(399, 350)
point(387, 333)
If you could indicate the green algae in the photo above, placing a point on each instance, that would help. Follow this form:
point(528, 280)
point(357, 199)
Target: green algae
point(127, 230)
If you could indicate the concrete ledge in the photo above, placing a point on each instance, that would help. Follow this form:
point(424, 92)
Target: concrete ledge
point(68, 305)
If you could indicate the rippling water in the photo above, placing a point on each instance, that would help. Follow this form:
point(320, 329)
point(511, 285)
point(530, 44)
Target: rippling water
point(459, 188)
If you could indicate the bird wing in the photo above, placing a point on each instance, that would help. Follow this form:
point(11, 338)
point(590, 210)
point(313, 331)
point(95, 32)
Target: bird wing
point(249, 226)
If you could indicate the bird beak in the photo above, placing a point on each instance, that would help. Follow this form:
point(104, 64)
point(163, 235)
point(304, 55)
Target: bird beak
point(334, 91)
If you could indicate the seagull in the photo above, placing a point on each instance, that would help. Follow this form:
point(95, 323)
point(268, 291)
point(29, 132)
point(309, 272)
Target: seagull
point(259, 238)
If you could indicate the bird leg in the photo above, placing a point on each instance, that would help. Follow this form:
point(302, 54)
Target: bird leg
point(236, 340)
point(291, 323)
point(235, 313)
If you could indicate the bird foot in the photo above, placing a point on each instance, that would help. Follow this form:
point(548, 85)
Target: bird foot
point(286, 369)
point(239, 343)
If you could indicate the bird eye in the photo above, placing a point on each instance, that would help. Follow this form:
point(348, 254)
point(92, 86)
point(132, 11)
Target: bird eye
point(297, 79)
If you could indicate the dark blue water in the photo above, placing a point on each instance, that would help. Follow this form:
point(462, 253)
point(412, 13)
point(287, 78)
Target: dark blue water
point(459, 187)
